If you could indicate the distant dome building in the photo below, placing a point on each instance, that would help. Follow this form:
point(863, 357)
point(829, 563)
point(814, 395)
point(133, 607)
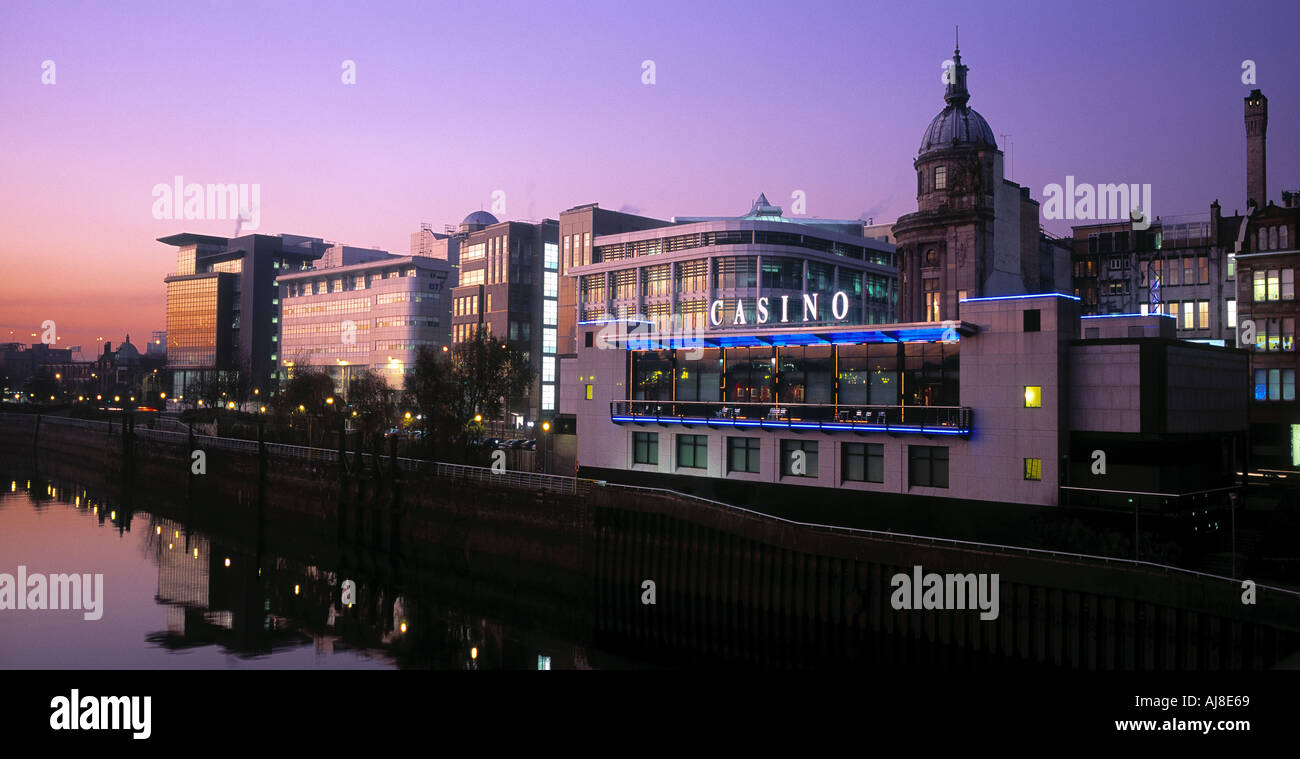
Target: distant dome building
point(974, 233)
point(476, 221)
point(127, 353)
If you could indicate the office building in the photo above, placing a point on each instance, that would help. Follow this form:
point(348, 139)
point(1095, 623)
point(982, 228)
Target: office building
point(359, 309)
point(223, 309)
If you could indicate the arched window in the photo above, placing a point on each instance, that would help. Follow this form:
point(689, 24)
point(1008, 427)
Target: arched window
point(1263, 239)
point(1281, 237)
point(1272, 238)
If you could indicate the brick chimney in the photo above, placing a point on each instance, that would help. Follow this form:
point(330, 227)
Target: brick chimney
point(1256, 129)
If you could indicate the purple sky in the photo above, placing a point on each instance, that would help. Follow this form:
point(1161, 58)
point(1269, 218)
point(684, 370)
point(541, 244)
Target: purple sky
point(545, 102)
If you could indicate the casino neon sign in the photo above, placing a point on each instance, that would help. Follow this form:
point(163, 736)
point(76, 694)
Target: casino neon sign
point(764, 307)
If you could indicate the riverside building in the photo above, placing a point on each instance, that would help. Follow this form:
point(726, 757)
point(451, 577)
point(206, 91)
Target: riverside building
point(223, 306)
point(364, 309)
point(1009, 404)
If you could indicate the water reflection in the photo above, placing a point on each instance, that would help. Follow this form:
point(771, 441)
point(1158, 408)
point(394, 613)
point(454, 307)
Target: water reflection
point(179, 596)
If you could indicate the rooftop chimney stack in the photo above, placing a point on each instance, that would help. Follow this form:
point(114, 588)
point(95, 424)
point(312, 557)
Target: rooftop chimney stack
point(1256, 129)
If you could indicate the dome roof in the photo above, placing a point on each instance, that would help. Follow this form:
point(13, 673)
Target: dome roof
point(958, 126)
point(480, 217)
point(126, 352)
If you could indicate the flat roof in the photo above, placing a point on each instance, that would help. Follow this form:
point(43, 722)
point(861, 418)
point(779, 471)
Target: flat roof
point(191, 238)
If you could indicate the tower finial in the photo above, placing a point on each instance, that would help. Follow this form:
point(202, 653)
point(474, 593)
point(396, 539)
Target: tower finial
point(956, 31)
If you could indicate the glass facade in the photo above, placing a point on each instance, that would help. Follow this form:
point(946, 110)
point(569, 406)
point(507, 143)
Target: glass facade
point(192, 322)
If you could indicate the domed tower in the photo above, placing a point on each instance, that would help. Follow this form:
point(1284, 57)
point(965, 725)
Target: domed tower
point(955, 245)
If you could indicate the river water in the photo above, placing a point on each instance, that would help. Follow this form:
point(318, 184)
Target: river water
point(175, 597)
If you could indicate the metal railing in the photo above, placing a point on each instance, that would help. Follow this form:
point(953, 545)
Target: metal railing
point(937, 419)
point(1019, 551)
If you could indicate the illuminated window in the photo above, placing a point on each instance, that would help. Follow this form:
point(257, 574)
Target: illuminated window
point(940, 177)
point(1033, 396)
point(589, 392)
point(1232, 313)
point(548, 368)
point(1288, 284)
point(551, 284)
point(548, 397)
point(1033, 469)
point(1202, 314)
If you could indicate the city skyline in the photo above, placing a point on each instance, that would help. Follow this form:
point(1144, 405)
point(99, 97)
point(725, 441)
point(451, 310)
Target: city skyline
point(430, 130)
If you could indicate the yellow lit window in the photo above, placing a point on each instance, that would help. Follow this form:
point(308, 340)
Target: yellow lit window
point(589, 392)
point(1033, 469)
point(1033, 396)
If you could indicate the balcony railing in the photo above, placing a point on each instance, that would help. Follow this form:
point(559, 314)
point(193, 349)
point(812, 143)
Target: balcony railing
point(923, 420)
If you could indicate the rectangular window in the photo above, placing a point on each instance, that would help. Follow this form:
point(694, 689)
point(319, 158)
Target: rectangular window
point(548, 368)
point(862, 462)
point(1274, 280)
point(645, 447)
point(1033, 396)
point(1189, 271)
point(551, 284)
point(1202, 314)
point(550, 312)
point(1172, 307)
point(548, 340)
point(589, 392)
point(693, 451)
point(927, 466)
point(1261, 384)
point(1261, 293)
point(1189, 315)
point(1033, 469)
point(1232, 266)
point(1033, 320)
point(1288, 284)
point(1232, 313)
point(1274, 384)
point(550, 255)
point(940, 177)
point(798, 458)
point(1203, 269)
point(742, 454)
point(1288, 384)
point(1288, 334)
point(1173, 271)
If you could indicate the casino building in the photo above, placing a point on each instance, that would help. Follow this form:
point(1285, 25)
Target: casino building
point(1010, 404)
point(773, 354)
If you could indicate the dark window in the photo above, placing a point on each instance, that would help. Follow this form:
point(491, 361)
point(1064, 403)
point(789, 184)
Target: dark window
point(1033, 320)
point(863, 462)
point(788, 456)
point(587, 339)
point(693, 451)
point(927, 466)
point(742, 454)
point(645, 447)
